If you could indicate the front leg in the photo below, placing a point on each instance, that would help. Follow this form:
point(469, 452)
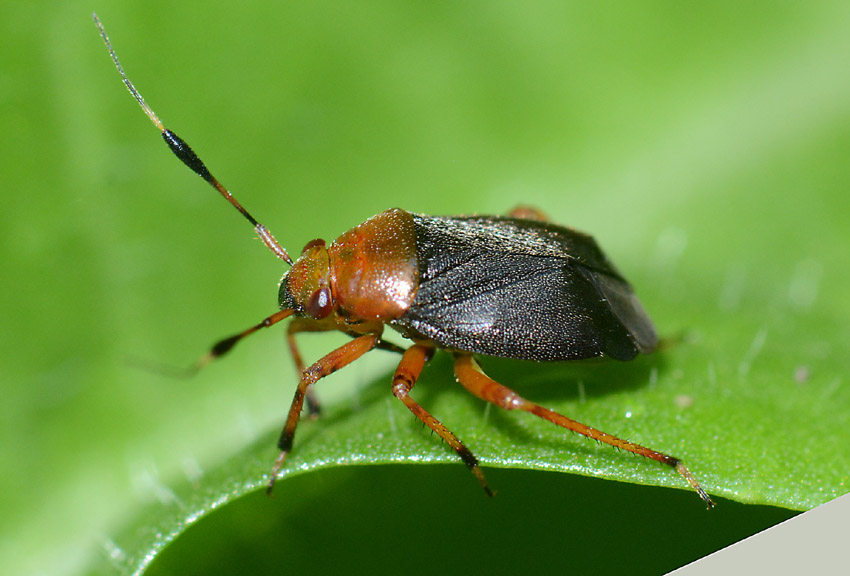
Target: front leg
point(330, 363)
point(303, 325)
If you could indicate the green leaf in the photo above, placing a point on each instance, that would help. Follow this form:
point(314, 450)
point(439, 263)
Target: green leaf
point(705, 150)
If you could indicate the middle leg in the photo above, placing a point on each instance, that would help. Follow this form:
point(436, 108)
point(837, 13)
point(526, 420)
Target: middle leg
point(405, 377)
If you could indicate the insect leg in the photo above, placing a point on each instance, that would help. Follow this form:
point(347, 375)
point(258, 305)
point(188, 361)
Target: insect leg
point(307, 325)
point(295, 326)
point(527, 212)
point(405, 377)
point(330, 363)
point(470, 375)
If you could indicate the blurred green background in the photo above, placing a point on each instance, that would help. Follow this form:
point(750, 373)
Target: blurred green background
point(705, 146)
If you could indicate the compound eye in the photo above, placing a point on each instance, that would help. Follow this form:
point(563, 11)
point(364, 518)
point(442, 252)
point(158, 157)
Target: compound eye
point(319, 306)
point(312, 244)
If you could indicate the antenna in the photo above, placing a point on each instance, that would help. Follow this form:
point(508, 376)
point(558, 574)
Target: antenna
point(186, 155)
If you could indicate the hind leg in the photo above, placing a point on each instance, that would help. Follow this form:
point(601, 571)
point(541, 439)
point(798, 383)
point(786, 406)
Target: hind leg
point(528, 213)
point(470, 375)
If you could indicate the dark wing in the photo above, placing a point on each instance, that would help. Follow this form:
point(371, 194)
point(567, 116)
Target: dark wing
point(521, 289)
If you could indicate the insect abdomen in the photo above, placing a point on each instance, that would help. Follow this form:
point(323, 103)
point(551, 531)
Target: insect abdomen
point(521, 289)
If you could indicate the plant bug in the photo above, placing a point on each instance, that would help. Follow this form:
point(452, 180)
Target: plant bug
point(513, 286)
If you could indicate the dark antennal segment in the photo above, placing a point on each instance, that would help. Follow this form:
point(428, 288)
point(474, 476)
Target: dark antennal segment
point(186, 155)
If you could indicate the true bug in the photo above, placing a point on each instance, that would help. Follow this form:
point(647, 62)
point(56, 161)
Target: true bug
point(511, 286)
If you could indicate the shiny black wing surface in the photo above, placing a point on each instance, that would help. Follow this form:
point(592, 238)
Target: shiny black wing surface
point(516, 288)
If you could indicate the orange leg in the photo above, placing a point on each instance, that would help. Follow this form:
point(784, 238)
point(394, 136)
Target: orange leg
point(470, 375)
point(295, 326)
point(307, 325)
point(330, 363)
point(405, 377)
point(528, 213)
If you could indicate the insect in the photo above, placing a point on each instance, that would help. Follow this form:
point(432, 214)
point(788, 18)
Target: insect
point(511, 286)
